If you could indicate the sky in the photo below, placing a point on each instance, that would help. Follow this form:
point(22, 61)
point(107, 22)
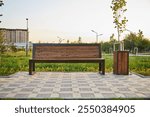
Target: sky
point(71, 19)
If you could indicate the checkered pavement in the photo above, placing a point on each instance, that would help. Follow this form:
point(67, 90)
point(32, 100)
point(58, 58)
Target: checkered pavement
point(73, 85)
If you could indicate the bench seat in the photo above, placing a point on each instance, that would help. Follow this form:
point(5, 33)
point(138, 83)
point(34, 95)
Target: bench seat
point(69, 59)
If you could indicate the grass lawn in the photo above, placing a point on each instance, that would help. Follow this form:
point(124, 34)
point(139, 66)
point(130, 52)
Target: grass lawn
point(14, 62)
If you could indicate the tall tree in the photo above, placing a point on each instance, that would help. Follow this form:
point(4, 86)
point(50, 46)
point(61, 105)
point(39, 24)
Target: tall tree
point(79, 40)
point(118, 8)
point(137, 40)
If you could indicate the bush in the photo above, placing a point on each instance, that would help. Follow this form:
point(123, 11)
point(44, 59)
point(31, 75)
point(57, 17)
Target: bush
point(13, 48)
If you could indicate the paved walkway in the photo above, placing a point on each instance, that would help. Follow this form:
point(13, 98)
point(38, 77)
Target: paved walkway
point(74, 85)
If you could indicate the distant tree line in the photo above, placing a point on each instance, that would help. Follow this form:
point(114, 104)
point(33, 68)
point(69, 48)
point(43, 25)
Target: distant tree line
point(132, 41)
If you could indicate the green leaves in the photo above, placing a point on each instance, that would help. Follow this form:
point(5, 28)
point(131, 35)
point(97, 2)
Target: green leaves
point(118, 8)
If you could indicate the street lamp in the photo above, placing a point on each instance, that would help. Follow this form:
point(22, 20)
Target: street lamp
point(27, 38)
point(96, 35)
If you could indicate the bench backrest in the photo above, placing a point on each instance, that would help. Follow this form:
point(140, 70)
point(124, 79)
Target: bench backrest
point(48, 51)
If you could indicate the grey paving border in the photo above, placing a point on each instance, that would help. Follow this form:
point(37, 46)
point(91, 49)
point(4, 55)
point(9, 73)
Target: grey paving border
point(10, 76)
point(5, 76)
point(142, 76)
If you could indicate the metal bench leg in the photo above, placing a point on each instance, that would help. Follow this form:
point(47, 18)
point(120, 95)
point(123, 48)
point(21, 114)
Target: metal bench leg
point(33, 66)
point(103, 67)
point(100, 67)
point(30, 67)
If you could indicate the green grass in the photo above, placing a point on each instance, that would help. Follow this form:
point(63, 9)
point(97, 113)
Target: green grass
point(140, 64)
point(14, 62)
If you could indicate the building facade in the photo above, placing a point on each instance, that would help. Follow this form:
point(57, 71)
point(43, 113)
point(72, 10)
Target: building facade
point(15, 36)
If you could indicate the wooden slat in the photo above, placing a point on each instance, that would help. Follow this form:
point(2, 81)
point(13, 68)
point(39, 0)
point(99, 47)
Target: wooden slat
point(48, 52)
point(119, 63)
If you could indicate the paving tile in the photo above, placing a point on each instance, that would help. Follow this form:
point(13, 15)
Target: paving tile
point(87, 95)
point(113, 81)
point(141, 95)
point(120, 95)
point(109, 95)
point(83, 85)
point(51, 82)
point(3, 95)
point(54, 95)
point(46, 89)
point(31, 85)
point(142, 89)
point(1, 85)
point(13, 85)
point(66, 85)
point(123, 89)
point(35, 82)
point(104, 89)
point(99, 85)
point(27, 89)
point(43, 96)
point(98, 95)
point(85, 89)
point(130, 95)
point(118, 85)
point(135, 85)
point(49, 85)
point(20, 82)
point(66, 89)
point(82, 82)
point(65, 95)
point(66, 82)
point(7, 89)
point(21, 95)
point(98, 81)
point(147, 95)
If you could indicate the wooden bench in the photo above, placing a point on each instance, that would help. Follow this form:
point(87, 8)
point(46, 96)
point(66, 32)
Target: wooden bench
point(67, 53)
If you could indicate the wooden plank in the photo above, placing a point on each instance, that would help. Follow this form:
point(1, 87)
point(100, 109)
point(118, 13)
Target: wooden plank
point(48, 52)
point(119, 62)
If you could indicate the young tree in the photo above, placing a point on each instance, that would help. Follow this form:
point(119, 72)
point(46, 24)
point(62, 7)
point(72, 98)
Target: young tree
point(118, 8)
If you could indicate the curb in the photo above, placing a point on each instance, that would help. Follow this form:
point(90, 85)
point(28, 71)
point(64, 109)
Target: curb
point(142, 76)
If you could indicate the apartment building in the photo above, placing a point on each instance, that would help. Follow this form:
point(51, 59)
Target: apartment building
point(16, 37)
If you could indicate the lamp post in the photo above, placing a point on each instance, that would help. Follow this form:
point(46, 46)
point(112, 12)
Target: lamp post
point(97, 35)
point(27, 38)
